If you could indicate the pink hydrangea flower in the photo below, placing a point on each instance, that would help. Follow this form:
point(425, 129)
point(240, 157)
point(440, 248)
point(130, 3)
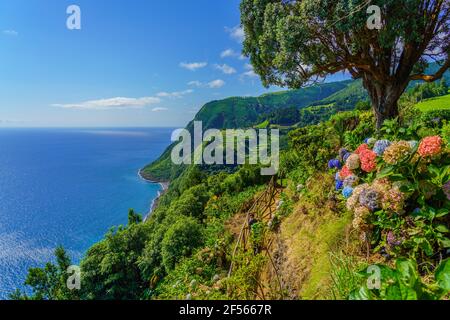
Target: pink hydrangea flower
point(362, 147)
point(368, 160)
point(345, 172)
point(430, 146)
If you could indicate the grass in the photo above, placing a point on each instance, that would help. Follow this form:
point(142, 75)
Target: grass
point(438, 103)
point(344, 274)
point(315, 228)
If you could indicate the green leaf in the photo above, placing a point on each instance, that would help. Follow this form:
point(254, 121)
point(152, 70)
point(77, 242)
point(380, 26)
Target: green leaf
point(408, 272)
point(396, 177)
point(386, 171)
point(442, 228)
point(442, 275)
point(442, 213)
point(426, 247)
point(445, 242)
point(362, 294)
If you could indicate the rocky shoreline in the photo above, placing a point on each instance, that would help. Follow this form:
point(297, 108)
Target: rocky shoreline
point(164, 187)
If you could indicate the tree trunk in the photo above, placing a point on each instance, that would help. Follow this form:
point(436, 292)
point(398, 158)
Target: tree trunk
point(384, 98)
point(384, 110)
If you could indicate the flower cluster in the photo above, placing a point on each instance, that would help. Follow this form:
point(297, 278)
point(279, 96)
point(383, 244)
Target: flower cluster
point(353, 162)
point(381, 193)
point(430, 146)
point(368, 160)
point(397, 152)
point(334, 163)
point(380, 146)
point(351, 181)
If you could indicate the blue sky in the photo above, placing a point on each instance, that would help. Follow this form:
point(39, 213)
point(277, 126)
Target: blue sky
point(133, 63)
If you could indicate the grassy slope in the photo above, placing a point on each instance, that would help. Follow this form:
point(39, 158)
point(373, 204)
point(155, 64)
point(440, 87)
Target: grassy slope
point(439, 103)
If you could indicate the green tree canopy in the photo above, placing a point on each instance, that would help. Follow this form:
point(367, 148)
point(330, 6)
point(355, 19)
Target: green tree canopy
point(295, 43)
point(180, 241)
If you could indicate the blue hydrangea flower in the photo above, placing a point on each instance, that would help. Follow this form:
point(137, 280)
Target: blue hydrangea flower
point(346, 156)
point(334, 163)
point(342, 153)
point(347, 192)
point(351, 181)
point(381, 146)
point(339, 185)
point(369, 199)
point(337, 177)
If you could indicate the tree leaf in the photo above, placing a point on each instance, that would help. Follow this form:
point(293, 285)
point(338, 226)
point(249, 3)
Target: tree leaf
point(362, 294)
point(442, 228)
point(442, 275)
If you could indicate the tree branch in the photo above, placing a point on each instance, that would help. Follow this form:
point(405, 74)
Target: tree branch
point(431, 78)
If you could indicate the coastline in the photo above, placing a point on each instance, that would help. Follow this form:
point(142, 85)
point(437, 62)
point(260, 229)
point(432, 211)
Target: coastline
point(164, 187)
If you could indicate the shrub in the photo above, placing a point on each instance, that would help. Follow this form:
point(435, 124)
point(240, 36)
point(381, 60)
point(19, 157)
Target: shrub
point(404, 283)
point(402, 206)
point(180, 241)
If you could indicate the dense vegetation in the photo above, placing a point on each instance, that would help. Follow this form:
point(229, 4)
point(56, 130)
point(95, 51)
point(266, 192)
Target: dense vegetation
point(360, 193)
point(185, 249)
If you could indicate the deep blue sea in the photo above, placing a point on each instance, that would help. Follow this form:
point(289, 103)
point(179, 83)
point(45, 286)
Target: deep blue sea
point(68, 187)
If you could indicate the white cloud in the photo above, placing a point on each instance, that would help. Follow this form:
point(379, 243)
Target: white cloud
point(236, 33)
point(176, 94)
point(110, 104)
point(193, 66)
point(195, 83)
point(228, 53)
point(12, 33)
point(159, 109)
point(225, 68)
point(216, 84)
point(250, 73)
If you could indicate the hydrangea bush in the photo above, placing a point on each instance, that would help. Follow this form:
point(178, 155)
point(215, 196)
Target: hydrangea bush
point(399, 194)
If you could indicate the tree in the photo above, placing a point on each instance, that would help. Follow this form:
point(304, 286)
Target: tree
point(295, 43)
point(49, 282)
point(110, 270)
point(180, 241)
point(133, 217)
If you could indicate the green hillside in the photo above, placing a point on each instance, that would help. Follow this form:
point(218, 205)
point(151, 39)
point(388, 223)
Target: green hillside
point(244, 112)
point(292, 108)
point(438, 103)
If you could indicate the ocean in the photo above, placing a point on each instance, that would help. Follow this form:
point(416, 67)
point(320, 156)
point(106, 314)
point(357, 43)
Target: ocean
point(68, 187)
